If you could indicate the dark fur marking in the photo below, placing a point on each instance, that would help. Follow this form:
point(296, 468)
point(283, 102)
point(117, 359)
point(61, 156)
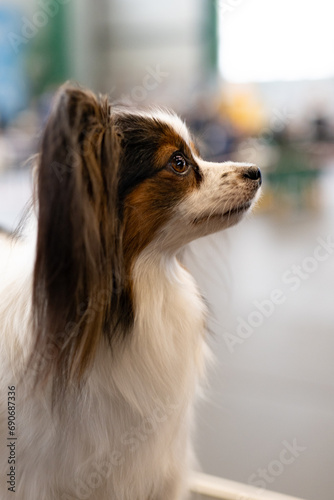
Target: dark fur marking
point(79, 247)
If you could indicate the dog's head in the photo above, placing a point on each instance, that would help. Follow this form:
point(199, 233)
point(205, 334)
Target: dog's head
point(167, 193)
point(113, 183)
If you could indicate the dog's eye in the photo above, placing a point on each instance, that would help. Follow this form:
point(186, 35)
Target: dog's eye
point(179, 164)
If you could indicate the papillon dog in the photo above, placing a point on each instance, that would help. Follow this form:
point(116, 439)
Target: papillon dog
point(102, 328)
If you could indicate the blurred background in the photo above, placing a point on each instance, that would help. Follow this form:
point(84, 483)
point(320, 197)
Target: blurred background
point(255, 82)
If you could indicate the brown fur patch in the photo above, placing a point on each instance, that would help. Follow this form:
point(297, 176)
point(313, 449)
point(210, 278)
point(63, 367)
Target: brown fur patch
point(149, 206)
point(172, 143)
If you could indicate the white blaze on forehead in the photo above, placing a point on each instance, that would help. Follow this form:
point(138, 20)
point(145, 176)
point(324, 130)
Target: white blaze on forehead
point(178, 125)
point(172, 120)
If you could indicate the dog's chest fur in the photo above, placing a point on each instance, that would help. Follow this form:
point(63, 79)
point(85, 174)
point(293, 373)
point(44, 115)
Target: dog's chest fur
point(133, 418)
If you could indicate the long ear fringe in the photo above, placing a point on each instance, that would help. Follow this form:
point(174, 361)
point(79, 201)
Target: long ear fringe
point(78, 276)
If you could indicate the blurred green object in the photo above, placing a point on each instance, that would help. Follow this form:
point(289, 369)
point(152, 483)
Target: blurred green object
point(48, 63)
point(293, 177)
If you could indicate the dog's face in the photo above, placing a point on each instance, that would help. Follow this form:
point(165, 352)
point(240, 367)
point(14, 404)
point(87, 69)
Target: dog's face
point(169, 195)
point(112, 184)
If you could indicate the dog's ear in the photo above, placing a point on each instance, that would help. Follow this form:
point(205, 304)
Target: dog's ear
point(78, 270)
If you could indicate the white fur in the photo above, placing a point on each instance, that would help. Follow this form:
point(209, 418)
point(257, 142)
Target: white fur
point(212, 197)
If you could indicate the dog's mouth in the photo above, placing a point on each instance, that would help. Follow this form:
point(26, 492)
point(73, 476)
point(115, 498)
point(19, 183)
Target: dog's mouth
point(238, 210)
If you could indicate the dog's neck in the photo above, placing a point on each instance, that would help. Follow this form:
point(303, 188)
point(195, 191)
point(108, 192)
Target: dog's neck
point(164, 355)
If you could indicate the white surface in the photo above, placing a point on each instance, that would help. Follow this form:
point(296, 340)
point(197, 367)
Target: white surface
point(216, 487)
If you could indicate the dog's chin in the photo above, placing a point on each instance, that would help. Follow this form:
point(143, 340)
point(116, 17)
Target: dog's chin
point(217, 221)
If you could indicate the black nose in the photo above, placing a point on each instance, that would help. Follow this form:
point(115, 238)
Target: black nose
point(253, 173)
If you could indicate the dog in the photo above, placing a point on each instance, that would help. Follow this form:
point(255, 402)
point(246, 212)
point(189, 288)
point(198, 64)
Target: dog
point(102, 328)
